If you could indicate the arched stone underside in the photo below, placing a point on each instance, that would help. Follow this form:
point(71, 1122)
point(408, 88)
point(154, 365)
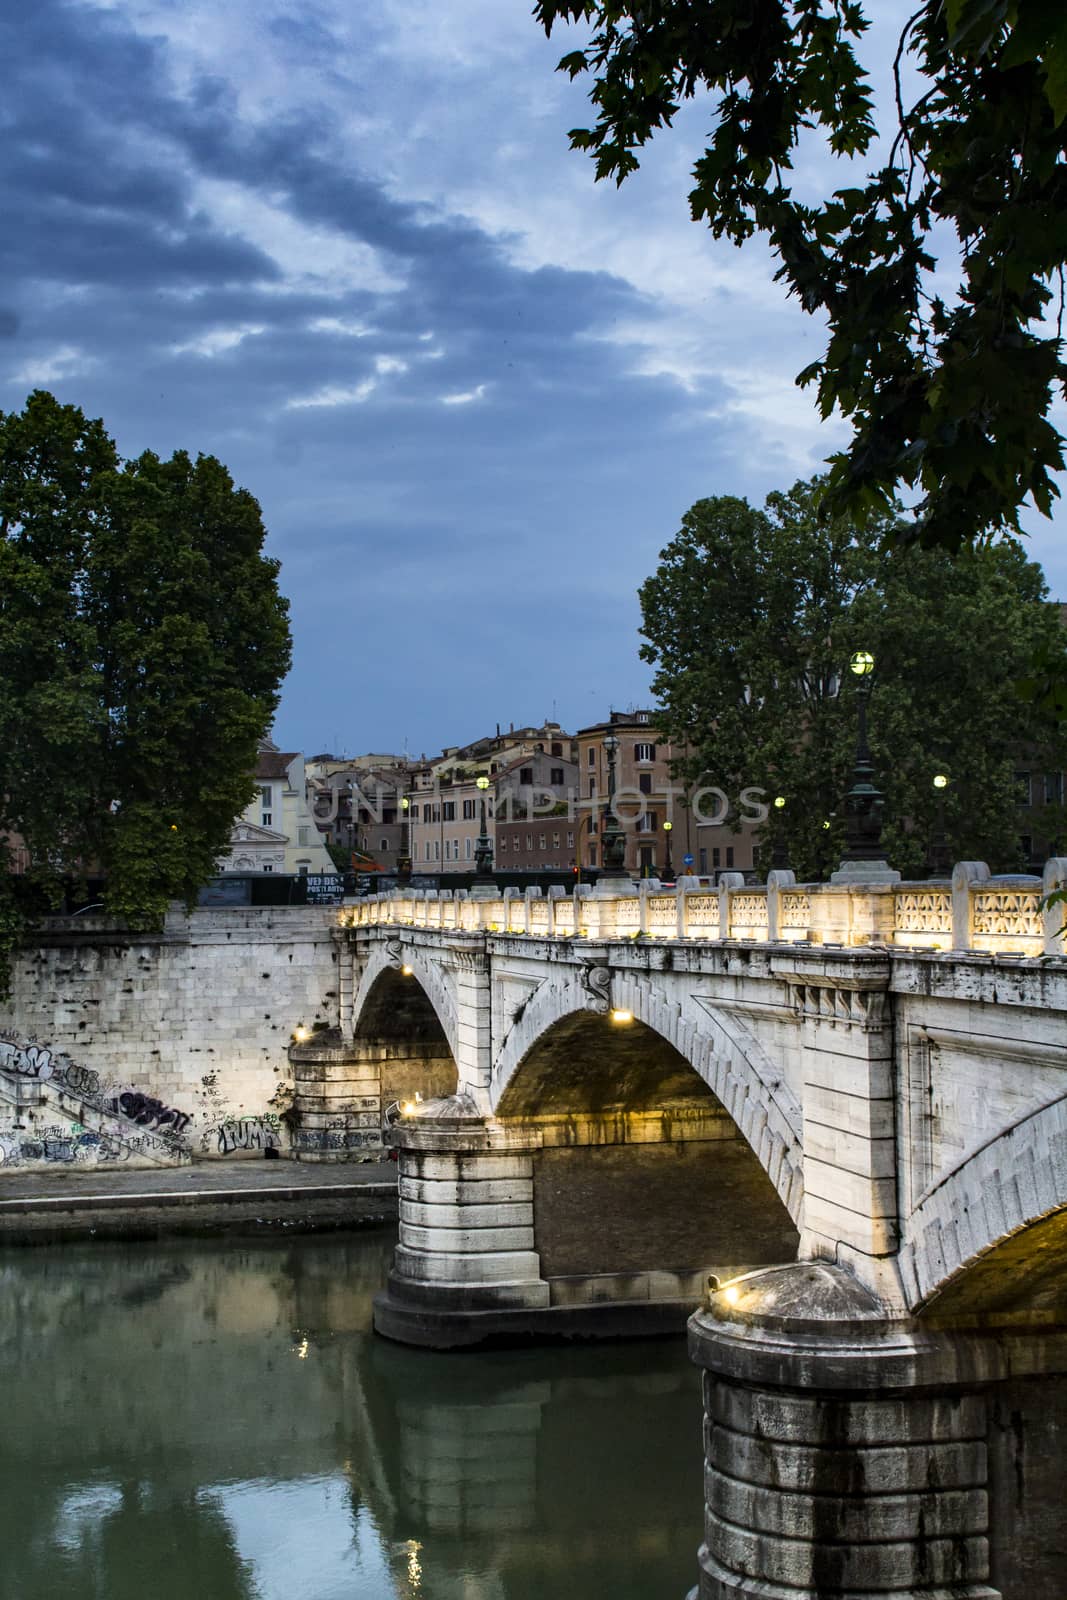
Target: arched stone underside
point(641, 1179)
point(400, 1023)
point(369, 1012)
point(723, 1055)
point(992, 1234)
point(399, 1051)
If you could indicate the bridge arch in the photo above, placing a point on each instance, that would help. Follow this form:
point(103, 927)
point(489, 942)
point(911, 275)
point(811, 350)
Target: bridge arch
point(992, 1234)
point(404, 1022)
point(727, 1059)
point(642, 1181)
point(390, 969)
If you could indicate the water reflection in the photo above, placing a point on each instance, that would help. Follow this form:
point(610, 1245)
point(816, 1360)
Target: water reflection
point(217, 1421)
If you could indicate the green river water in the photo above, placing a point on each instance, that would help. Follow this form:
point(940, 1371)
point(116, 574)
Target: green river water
point(191, 1421)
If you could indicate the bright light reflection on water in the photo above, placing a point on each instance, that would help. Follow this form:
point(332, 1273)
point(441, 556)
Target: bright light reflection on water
point(216, 1422)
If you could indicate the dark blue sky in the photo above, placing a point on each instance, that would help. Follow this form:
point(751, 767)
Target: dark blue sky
point(346, 249)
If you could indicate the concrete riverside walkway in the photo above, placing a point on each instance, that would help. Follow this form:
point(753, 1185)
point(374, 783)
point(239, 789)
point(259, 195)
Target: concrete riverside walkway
point(210, 1197)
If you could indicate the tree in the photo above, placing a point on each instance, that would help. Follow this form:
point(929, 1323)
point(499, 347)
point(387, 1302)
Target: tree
point(750, 621)
point(947, 392)
point(142, 644)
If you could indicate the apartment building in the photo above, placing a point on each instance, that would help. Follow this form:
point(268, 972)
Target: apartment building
point(648, 797)
point(276, 832)
point(445, 801)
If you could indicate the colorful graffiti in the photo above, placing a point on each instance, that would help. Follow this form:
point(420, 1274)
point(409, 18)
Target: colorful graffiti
point(131, 1123)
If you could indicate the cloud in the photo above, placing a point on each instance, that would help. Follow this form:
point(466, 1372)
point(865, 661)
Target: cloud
point(334, 396)
point(465, 398)
point(66, 362)
point(218, 340)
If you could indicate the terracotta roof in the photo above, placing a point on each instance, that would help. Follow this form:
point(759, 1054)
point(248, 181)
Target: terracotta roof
point(275, 763)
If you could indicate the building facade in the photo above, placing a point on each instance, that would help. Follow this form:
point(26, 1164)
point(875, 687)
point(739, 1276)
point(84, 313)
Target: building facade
point(277, 832)
point(648, 799)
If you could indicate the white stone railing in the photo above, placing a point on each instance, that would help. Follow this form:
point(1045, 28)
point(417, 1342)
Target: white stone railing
point(974, 912)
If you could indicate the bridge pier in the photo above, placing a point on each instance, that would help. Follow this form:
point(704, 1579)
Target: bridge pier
point(848, 1451)
point(559, 1226)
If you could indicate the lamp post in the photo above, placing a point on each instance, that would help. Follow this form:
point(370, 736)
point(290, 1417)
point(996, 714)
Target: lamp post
point(484, 882)
point(403, 860)
point(939, 856)
point(668, 865)
point(779, 853)
point(613, 851)
point(864, 802)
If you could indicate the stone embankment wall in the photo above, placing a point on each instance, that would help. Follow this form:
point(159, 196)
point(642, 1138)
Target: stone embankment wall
point(158, 1048)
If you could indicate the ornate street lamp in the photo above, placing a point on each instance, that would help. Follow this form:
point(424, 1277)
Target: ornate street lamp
point(483, 845)
point(668, 865)
point(403, 860)
point(939, 857)
point(613, 852)
point(864, 802)
point(779, 853)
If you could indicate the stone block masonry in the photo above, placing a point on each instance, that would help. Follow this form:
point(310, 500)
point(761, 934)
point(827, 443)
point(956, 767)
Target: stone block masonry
point(194, 1021)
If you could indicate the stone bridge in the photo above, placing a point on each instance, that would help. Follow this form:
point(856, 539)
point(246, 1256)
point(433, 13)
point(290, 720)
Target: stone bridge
point(834, 1118)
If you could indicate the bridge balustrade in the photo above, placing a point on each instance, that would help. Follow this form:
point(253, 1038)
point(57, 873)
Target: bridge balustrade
point(974, 912)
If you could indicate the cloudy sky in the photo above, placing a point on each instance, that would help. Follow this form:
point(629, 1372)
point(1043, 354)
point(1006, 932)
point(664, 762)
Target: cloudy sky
point(345, 247)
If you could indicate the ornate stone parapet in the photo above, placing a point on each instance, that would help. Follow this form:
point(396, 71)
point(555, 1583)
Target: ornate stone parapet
point(845, 1452)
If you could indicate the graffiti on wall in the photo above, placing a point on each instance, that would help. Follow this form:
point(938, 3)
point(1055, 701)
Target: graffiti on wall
point(132, 1123)
point(327, 1140)
point(245, 1133)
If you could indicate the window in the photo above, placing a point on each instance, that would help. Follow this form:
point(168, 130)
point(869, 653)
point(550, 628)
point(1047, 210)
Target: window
point(526, 774)
point(648, 823)
point(703, 859)
point(642, 716)
point(555, 841)
point(468, 810)
point(570, 841)
point(592, 855)
point(1022, 789)
point(529, 841)
point(557, 776)
point(448, 811)
point(716, 856)
point(591, 756)
point(644, 782)
point(426, 813)
point(437, 849)
point(503, 841)
point(388, 816)
point(644, 752)
point(544, 842)
point(383, 844)
point(1053, 788)
point(557, 750)
point(468, 851)
point(267, 867)
point(265, 819)
point(648, 857)
point(729, 855)
point(266, 797)
point(592, 788)
point(301, 836)
point(1027, 845)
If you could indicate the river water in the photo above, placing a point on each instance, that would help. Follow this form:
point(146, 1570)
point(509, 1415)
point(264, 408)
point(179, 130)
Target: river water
point(190, 1421)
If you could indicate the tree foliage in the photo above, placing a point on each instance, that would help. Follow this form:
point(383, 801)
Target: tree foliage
point(142, 644)
point(947, 392)
point(750, 621)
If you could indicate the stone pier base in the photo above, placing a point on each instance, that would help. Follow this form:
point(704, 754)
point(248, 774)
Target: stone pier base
point(849, 1454)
